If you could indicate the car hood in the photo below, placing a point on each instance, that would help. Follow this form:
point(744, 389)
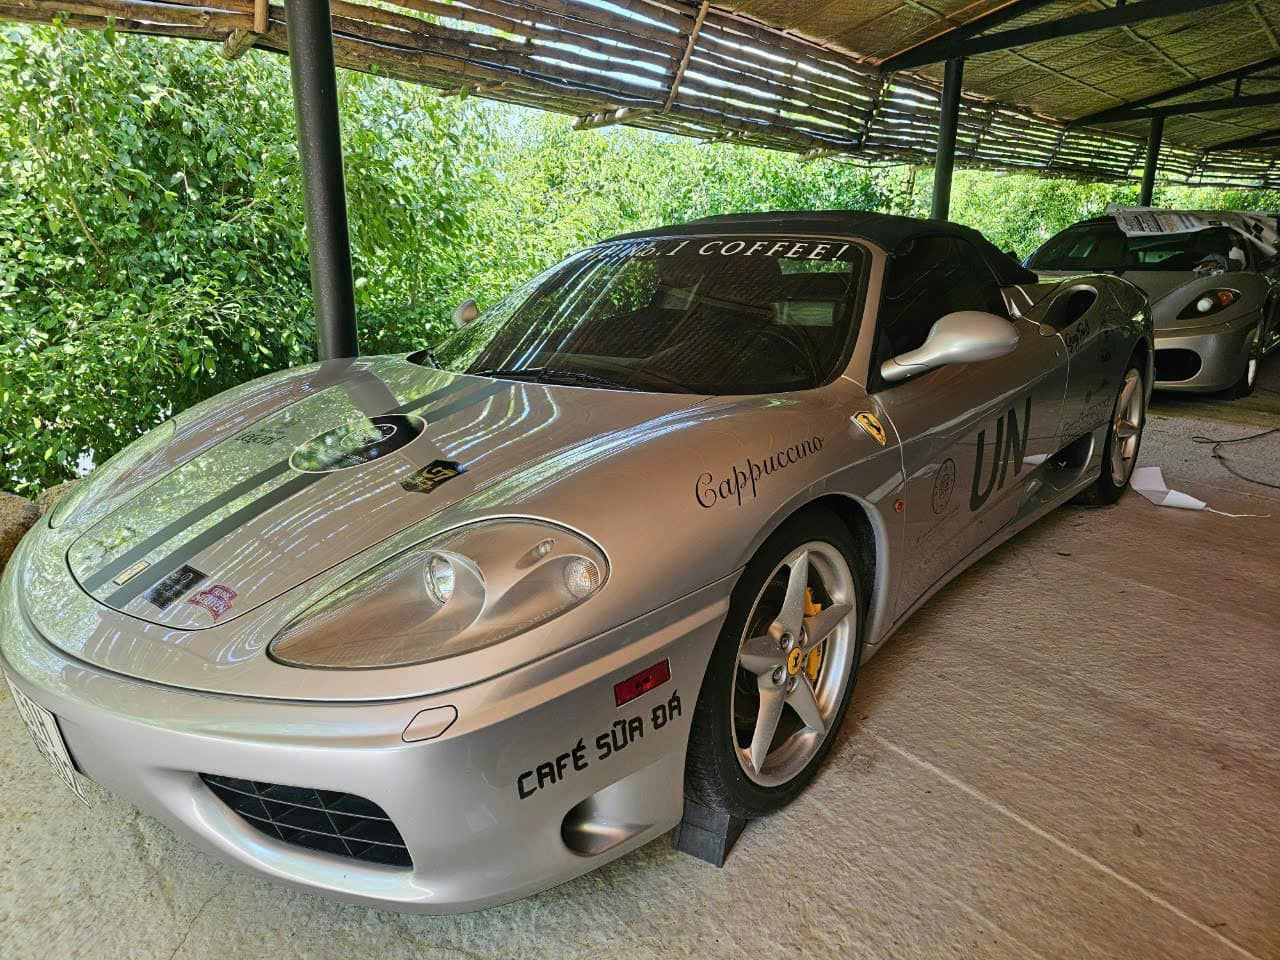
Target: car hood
point(323, 472)
point(1158, 284)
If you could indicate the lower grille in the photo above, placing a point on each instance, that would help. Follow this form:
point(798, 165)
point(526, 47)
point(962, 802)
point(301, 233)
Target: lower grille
point(340, 823)
point(1174, 364)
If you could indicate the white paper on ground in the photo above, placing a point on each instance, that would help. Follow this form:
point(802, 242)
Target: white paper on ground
point(1149, 481)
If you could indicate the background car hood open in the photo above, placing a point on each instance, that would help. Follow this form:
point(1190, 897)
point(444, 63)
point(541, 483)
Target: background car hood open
point(323, 477)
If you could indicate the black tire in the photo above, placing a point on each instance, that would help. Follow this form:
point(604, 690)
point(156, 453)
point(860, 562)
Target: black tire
point(1106, 490)
point(1249, 375)
point(713, 775)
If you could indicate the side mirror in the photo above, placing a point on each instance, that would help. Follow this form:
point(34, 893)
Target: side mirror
point(464, 313)
point(966, 336)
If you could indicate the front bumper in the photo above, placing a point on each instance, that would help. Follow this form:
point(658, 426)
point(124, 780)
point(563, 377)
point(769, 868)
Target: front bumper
point(468, 804)
point(1203, 359)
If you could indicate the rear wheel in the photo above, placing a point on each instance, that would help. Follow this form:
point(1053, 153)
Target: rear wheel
point(782, 672)
point(1124, 437)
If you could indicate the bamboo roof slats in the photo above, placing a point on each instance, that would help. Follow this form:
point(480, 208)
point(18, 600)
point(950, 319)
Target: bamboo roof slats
point(784, 75)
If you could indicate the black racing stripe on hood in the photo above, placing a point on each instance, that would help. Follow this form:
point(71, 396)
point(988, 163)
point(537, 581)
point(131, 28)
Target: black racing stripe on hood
point(171, 530)
point(255, 508)
point(211, 536)
point(214, 504)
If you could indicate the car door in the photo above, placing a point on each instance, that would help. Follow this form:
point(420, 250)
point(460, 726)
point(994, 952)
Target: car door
point(972, 434)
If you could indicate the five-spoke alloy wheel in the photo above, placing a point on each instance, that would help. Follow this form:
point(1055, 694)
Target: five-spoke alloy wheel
point(793, 663)
point(1126, 427)
point(1123, 440)
point(1255, 349)
point(781, 676)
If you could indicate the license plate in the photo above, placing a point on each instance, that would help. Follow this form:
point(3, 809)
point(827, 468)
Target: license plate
point(43, 727)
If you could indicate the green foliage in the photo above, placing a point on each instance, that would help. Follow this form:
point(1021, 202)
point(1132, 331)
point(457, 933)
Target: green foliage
point(151, 250)
point(558, 190)
point(150, 245)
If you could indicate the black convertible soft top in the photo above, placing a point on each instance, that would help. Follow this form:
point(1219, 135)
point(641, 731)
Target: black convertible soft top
point(891, 233)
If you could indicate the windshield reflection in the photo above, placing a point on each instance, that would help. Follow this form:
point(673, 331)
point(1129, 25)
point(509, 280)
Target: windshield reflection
point(708, 315)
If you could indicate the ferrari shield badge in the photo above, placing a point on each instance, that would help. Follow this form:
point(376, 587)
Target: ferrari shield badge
point(871, 424)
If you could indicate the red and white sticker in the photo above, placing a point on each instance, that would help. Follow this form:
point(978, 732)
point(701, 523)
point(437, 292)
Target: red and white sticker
point(216, 599)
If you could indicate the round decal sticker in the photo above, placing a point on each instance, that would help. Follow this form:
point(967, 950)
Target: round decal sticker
point(354, 443)
point(943, 485)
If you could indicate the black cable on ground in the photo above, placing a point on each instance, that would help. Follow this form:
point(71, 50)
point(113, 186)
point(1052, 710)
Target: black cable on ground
point(1217, 443)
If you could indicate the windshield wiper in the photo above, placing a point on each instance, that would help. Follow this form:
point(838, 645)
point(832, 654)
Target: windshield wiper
point(579, 377)
point(548, 375)
point(510, 373)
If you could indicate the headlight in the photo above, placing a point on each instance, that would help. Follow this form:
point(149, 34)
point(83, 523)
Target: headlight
point(101, 479)
point(464, 590)
point(1209, 303)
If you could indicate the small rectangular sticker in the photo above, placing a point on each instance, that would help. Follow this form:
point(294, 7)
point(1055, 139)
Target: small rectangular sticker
point(126, 575)
point(164, 593)
point(432, 475)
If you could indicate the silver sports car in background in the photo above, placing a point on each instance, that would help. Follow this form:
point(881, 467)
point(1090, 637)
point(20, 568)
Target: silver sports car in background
point(1214, 296)
point(438, 631)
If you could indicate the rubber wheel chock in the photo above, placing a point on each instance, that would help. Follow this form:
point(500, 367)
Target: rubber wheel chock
point(706, 833)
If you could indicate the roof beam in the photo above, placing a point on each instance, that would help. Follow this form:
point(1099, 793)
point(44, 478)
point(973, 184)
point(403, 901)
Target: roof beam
point(970, 28)
point(1263, 139)
point(684, 60)
point(1195, 106)
point(1239, 74)
point(948, 45)
point(608, 118)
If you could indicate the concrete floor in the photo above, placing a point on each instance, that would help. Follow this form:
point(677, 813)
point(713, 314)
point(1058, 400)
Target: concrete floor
point(1073, 751)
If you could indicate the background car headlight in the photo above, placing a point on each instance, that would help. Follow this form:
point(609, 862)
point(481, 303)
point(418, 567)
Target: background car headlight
point(1209, 303)
point(91, 488)
point(464, 590)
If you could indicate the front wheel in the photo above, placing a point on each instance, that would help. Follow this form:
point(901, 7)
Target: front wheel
point(1124, 437)
point(1253, 359)
point(782, 672)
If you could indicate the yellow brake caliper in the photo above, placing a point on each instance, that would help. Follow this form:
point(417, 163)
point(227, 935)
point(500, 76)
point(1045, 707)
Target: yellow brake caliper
point(814, 664)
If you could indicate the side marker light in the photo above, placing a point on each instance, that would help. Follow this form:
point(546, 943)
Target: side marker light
point(624, 691)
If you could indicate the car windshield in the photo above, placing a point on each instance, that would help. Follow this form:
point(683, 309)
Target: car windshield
point(1103, 246)
point(708, 315)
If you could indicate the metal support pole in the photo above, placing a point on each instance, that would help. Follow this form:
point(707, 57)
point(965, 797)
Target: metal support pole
point(315, 103)
point(948, 119)
point(1153, 157)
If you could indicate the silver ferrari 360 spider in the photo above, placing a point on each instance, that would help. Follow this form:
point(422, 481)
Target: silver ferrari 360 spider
point(434, 632)
point(1214, 292)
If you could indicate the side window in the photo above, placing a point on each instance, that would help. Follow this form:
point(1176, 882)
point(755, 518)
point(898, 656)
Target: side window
point(932, 277)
